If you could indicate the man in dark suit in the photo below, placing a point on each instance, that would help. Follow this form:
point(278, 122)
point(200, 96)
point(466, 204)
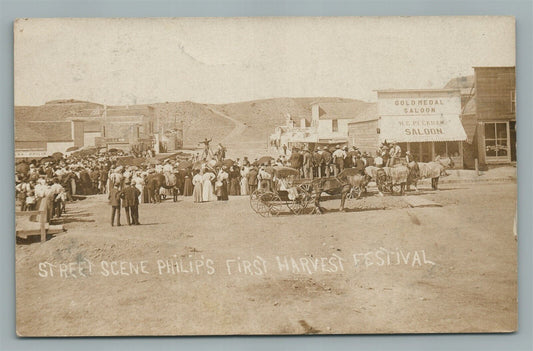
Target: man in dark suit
point(252, 179)
point(130, 195)
point(114, 200)
point(326, 161)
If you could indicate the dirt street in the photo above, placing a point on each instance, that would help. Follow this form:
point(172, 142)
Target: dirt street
point(219, 268)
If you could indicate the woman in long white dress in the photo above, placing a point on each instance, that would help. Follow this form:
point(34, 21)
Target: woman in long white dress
point(197, 181)
point(244, 180)
point(207, 187)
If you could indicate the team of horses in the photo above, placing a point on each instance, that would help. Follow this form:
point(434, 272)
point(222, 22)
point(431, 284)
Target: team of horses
point(396, 179)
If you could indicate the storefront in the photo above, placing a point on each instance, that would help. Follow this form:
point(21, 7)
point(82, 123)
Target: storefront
point(495, 114)
point(425, 122)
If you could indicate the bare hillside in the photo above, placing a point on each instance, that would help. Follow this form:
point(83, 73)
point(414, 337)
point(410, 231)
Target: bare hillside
point(240, 126)
point(199, 121)
point(263, 116)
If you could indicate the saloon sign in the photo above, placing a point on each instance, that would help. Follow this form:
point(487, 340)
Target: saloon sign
point(420, 105)
point(434, 103)
point(421, 128)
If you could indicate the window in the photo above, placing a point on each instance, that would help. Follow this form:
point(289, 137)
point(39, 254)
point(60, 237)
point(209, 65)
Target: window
point(496, 142)
point(513, 100)
point(334, 125)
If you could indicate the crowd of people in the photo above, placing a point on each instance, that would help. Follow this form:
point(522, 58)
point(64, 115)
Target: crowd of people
point(329, 161)
point(58, 181)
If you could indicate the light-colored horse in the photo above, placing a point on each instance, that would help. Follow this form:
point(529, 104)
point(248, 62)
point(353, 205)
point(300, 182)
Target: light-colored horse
point(433, 170)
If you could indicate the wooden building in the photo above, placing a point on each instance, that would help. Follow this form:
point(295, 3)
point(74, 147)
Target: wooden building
point(425, 122)
point(494, 115)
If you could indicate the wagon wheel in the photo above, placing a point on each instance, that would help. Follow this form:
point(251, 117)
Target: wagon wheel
point(307, 187)
point(265, 203)
point(255, 199)
point(386, 187)
point(273, 202)
point(354, 193)
point(298, 205)
point(396, 188)
point(263, 208)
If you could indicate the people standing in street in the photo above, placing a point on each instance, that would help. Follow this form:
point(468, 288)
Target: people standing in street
point(130, 196)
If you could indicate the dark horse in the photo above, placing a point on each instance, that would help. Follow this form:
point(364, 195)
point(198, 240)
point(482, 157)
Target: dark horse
point(156, 181)
point(346, 182)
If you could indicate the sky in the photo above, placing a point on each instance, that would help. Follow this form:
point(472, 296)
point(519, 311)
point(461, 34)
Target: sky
point(224, 60)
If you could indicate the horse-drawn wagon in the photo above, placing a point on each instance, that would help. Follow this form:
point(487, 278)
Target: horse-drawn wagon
point(287, 189)
point(284, 189)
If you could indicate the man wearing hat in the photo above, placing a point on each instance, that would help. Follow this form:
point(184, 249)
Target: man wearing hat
point(326, 161)
point(317, 160)
point(395, 153)
point(130, 195)
point(114, 200)
point(307, 163)
point(349, 160)
point(385, 153)
point(338, 159)
point(252, 179)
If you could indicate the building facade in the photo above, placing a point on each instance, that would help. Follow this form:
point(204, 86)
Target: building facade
point(328, 125)
point(35, 139)
point(495, 114)
point(425, 122)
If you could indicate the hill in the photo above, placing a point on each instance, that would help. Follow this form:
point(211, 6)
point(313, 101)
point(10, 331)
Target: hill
point(243, 125)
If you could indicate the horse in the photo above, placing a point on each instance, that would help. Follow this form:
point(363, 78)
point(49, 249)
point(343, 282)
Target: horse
point(397, 176)
point(446, 162)
point(386, 178)
point(343, 184)
point(378, 175)
point(433, 170)
point(156, 181)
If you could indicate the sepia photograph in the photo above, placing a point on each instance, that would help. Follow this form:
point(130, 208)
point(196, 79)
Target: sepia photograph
point(265, 176)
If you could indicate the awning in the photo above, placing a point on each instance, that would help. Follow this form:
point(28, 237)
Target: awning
point(470, 125)
point(422, 128)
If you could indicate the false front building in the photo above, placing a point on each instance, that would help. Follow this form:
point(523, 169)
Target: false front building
point(490, 117)
point(328, 125)
point(425, 122)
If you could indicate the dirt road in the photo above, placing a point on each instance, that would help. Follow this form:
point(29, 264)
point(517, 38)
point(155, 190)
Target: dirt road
point(219, 268)
point(236, 147)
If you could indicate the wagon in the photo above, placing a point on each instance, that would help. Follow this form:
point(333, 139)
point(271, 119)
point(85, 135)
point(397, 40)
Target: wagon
point(286, 189)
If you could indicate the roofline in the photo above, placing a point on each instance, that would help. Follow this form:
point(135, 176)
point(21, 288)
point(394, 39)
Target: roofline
point(417, 90)
point(366, 120)
point(330, 117)
point(44, 121)
point(46, 141)
point(490, 67)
